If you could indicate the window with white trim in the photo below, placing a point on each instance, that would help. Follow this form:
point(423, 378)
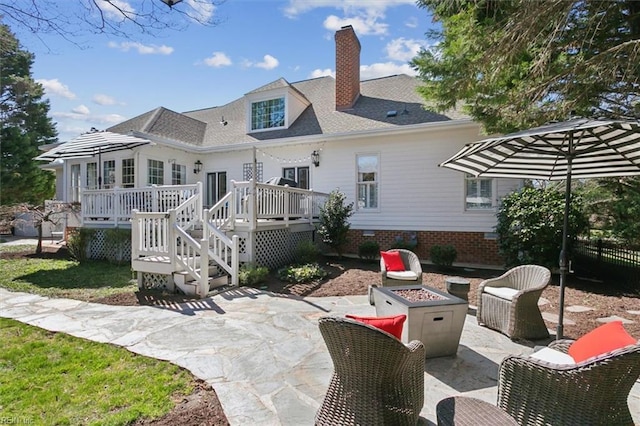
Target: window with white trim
point(478, 193)
point(92, 175)
point(76, 182)
point(267, 114)
point(368, 181)
point(109, 173)
point(128, 173)
point(155, 172)
point(178, 174)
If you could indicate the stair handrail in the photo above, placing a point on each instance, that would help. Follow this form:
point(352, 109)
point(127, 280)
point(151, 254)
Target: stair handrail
point(222, 249)
point(223, 213)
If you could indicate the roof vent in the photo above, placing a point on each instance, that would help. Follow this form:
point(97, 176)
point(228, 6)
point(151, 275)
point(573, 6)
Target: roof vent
point(392, 113)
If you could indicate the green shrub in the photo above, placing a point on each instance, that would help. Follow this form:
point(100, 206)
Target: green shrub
point(307, 252)
point(529, 225)
point(78, 243)
point(443, 256)
point(251, 274)
point(369, 250)
point(334, 221)
point(115, 242)
point(302, 273)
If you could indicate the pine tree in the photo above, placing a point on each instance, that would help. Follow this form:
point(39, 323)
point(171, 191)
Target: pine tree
point(24, 125)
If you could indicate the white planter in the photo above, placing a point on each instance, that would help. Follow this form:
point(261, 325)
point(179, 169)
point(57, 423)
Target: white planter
point(436, 323)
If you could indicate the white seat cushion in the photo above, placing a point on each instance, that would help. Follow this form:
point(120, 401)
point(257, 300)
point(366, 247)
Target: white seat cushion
point(402, 275)
point(505, 293)
point(553, 356)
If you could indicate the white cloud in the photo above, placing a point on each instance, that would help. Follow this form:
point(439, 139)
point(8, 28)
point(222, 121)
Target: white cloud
point(217, 60)
point(402, 49)
point(55, 88)
point(81, 109)
point(363, 25)
point(98, 118)
point(384, 69)
point(202, 11)
point(321, 73)
point(116, 9)
point(298, 7)
point(143, 49)
point(268, 63)
point(412, 22)
point(102, 99)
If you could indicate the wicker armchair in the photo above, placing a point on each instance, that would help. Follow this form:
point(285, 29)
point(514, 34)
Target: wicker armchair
point(509, 303)
point(412, 276)
point(593, 392)
point(377, 380)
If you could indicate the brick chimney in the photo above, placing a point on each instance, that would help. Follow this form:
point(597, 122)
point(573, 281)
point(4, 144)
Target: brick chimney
point(347, 68)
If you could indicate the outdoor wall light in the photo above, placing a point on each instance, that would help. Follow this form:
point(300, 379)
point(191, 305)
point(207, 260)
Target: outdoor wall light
point(315, 158)
point(197, 167)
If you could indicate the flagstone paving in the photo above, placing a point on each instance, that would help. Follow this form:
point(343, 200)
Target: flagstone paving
point(262, 352)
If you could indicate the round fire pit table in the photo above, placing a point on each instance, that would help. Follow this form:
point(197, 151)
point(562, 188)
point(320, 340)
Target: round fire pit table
point(458, 287)
point(466, 411)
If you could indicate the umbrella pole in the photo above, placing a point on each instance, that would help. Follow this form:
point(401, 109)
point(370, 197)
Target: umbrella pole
point(564, 262)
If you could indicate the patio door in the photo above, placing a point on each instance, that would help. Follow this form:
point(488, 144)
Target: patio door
point(216, 187)
point(299, 174)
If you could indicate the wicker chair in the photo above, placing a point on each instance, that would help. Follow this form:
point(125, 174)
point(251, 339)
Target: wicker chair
point(518, 317)
point(389, 279)
point(377, 380)
point(593, 392)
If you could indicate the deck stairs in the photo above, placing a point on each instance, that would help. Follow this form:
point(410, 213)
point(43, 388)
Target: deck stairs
point(189, 245)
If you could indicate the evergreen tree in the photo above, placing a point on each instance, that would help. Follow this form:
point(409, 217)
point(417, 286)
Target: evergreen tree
point(334, 221)
point(516, 64)
point(24, 125)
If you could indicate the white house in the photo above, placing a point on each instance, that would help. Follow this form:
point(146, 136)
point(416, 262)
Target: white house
point(373, 140)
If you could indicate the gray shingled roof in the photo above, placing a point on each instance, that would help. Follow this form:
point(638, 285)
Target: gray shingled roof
point(378, 97)
point(167, 124)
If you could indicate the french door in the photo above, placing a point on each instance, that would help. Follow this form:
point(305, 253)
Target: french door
point(216, 187)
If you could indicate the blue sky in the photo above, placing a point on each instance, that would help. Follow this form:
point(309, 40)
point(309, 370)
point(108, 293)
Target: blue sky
point(108, 79)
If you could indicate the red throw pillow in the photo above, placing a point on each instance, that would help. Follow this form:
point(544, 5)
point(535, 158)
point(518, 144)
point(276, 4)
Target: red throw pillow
point(392, 325)
point(392, 260)
point(603, 339)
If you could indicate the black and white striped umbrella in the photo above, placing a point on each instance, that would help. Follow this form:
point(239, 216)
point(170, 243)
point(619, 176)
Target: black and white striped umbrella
point(578, 148)
point(592, 148)
point(93, 143)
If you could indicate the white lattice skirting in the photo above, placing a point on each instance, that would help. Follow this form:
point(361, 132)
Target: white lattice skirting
point(154, 281)
point(276, 247)
point(101, 248)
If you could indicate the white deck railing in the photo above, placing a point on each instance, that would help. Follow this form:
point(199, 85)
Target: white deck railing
point(164, 234)
point(115, 206)
point(275, 202)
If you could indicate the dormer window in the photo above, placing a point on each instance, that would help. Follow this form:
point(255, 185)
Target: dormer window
point(268, 114)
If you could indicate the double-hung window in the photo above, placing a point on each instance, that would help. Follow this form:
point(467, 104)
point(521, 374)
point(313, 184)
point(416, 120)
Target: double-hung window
point(178, 174)
point(267, 114)
point(478, 193)
point(368, 181)
point(128, 173)
point(155, 172)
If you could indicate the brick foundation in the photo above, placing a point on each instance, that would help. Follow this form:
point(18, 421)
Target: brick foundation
point(472, 247)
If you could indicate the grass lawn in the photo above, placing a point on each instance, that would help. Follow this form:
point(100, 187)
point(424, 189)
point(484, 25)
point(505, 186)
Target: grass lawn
point(59, 277)
point(53, 378)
